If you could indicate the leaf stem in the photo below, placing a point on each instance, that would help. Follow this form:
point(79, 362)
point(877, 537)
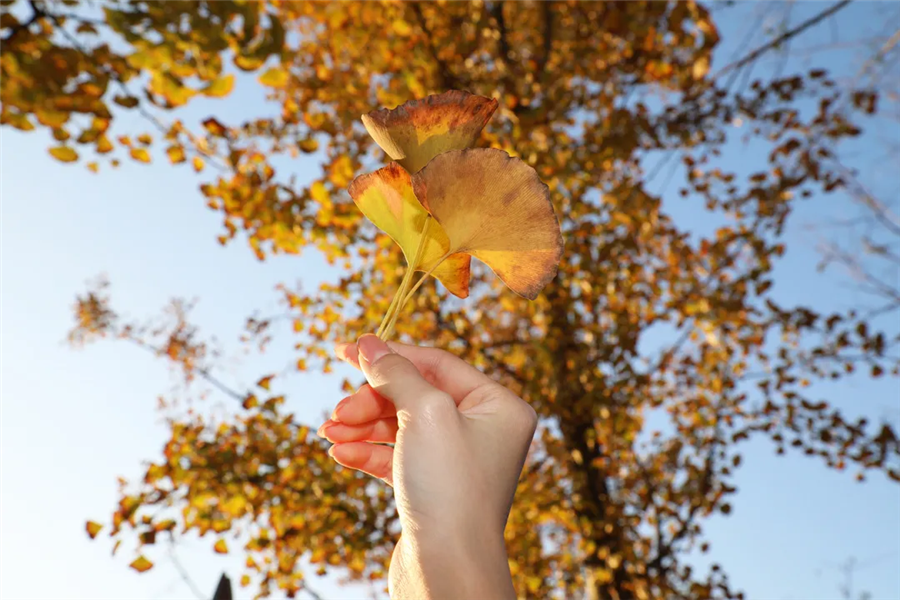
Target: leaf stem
point(385, 333)
point(390, 311)
point(409, 294)
point(419, 283)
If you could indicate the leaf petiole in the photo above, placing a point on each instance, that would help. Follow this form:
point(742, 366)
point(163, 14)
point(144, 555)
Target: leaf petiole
point(384, 332)
point(419, 283)
point(410, 293)
point(390, 311)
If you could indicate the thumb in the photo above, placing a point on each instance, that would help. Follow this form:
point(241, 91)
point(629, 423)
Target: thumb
point(396, 378)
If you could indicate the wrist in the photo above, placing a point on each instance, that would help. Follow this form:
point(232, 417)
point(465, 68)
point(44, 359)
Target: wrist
point(462, 565)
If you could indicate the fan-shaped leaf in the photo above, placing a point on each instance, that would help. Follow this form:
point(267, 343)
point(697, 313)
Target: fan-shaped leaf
point(386, 198)
point(495, 208)
point(64, 154)
point(417, 131)
point(141, 564)
point(93, 528)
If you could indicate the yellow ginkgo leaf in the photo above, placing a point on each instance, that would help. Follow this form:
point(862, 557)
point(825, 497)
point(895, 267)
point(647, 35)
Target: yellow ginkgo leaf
point(141, 564)
point(497, 209)
point(220, 87)
point(417, 131)
point(93, 528)
point(386, 197)
point(63, 154)
point(140, 155)
point(275, 77)
point(265, 381)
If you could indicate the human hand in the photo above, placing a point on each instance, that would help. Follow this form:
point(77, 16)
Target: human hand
point(460, 441)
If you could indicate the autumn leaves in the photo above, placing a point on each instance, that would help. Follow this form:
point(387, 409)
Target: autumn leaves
point(443, 202)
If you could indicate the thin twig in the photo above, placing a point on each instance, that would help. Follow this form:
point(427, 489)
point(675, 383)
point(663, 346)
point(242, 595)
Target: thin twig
point(184, 574)
point(312, 593)
point(36, 15)
point(787, 35)
point(203, 372)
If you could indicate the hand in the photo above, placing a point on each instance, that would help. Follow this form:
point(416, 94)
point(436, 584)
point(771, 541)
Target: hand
point(460, 441)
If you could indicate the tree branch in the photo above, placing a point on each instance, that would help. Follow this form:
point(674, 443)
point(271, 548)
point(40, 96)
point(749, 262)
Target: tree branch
point(448, 80)
point(548, 37)
point(184, 574)
point(787, 35)
point(203, 372)
point(312, 593)
point(36, 15)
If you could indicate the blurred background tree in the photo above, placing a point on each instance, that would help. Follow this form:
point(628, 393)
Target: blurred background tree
point(651, 357)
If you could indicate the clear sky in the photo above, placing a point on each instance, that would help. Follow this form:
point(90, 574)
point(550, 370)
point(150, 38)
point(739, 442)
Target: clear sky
point(74, 420)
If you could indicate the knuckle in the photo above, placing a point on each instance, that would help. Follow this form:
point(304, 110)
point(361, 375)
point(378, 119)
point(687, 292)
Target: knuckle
point(391, 367)
point(378, 464)
point(436, 405)
point(437, 398)
point(525, 416)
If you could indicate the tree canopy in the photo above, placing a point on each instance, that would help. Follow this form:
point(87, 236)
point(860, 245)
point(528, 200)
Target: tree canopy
point(645, 318)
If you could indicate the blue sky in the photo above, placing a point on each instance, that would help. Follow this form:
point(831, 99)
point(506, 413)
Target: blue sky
point(74, 420)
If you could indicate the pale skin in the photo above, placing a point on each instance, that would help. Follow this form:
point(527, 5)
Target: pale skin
point(460, 441)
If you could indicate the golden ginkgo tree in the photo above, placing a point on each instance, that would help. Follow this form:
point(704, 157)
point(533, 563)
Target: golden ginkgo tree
point(646, 316)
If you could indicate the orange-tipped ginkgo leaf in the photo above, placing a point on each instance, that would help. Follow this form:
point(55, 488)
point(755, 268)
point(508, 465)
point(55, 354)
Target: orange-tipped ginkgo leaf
point(417, 131)
point(386, 197)
point(497, 209)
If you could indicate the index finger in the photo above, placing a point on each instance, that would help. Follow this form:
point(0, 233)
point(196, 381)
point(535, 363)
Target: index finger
point(441, 369)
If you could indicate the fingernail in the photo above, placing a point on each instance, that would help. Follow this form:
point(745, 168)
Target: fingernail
point(323, 428)
point(331, 451)
point(371, 348)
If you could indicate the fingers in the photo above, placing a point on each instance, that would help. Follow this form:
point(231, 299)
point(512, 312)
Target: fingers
point(440, 368)
point(363, 406)
point(373, 459)
point(347, 353)
point(396, 378)
point(382, 430)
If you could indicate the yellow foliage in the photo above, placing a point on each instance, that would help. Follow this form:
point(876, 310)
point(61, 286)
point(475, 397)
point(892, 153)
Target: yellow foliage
point(643, 315)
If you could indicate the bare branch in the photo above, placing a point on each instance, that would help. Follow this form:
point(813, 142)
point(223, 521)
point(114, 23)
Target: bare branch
point(784, 37)
point(184, 574)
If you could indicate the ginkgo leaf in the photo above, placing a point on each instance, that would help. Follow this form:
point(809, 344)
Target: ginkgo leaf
point(176, 154)
point(93, 528)
point(221, 547)
point(215, 127)
point(386, 197)
point(275, 77)
point(308, 145)
point(496, 208)
point(220, 87)
point(64, 154)
point(417, 131)
point(140, 155)
point(126, 101)
point(141, 564)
